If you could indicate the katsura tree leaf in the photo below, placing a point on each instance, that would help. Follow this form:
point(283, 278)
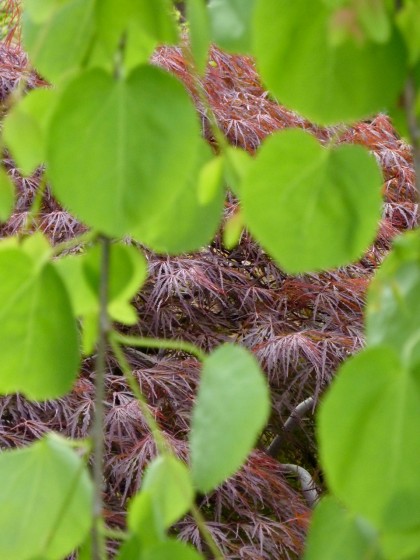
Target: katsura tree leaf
point(232, 408)
point(337, 534)
point(59, 42)
point(167, 480)
point(171, 550)
point(312, 207)
point(369, 440)
point(393, 304)
point(39, 349)
point(190, 220)
point(231, 24)
point(121, 150)
point(7, 195)
point(144, 521)
point(326, 82)
point(199, 32)
point(48, 495)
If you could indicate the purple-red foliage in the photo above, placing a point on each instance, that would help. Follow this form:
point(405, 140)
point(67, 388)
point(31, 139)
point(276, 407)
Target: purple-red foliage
point(300, 328)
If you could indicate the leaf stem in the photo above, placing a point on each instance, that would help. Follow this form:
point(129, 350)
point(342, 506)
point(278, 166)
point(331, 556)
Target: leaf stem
point(162, 343)
point(97, 431)
point(72, 243)
point(208, 537)
point(409, 97)
point(158, 436)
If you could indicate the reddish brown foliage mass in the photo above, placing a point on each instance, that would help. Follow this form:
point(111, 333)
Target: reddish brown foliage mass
point(300, 328)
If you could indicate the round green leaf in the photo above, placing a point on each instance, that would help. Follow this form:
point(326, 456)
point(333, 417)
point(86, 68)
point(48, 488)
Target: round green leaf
point(312, 207)
point(7, 195)
point(326, 82)
point(337, 534)
point(232, 408)
point(58, 43)
point(39, 349)
point(47, 494)
point(167, 481)
point(120, 151)
point(369, 439)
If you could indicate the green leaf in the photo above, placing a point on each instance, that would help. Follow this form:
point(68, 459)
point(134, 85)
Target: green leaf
point(146, 24)
point(199, 32)
point(233, 230)
point(337, 534)
point(408, 21)
point(48, 495)
point(237, 164)
point(231, 24)
point(190, 220)
point(404, 545)
point(59, 42)
point(312, 207)
point(369, 439)
point(144, 520)
point(39, 350)
point(232, 408)
point(171, 550)
point(121, 151)
point(394, 300)
point(325, 82)
point(167, 481)
point(7, 195)
point(374, 19)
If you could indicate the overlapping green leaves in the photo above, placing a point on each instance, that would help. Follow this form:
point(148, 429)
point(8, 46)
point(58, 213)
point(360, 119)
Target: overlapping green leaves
point(312, 207)
point(46, 494)
point(7, 195)
point(326, 80)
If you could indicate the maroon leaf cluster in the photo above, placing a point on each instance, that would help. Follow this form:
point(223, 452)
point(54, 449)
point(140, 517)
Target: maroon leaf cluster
point(299, 327)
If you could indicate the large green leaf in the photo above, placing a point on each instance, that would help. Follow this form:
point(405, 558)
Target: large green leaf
point(192, 218)
point(58, 42)
point(336, 534)
point(121, 151)
point(325, 81)
point(369, 439)
point(231, 24)
point(39, 353)
point(309, 206)
point(46, 495)
point(167, 481)
point(393, 310)
point(232, 408)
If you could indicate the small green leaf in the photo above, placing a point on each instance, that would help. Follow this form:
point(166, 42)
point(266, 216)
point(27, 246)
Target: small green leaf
point(312, 207)
point(171, 550)
point(7, 195)
point(144, 520)
point(327, 83)
point(233, 230)
point(408, 21)
point(39, 349)
point(374, 18)
point(48, 495)
point(337, 534)
point(167, 481)
point(232, 408)
point(237, 164)
point(94, 162)
point(231, 24)
point(199, 32)
point(59, 42)
point(210, 180)
point(369, 440)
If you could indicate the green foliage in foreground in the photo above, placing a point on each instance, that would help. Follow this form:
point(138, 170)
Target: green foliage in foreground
point(122, 150)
